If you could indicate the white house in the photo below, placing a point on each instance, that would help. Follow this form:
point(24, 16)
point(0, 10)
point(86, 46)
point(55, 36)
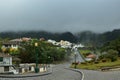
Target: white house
point(5, 59)
point(62, 43)
point(13, 45)
point(6, 64)
point(52, 41)
point(65, 44)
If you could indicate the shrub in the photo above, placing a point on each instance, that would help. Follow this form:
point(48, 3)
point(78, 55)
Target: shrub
point(111, 54)
point(83, 63)
point(104, 60)
point(96, 62)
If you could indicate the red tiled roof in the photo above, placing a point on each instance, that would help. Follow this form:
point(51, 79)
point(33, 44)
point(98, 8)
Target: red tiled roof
point(91, 56)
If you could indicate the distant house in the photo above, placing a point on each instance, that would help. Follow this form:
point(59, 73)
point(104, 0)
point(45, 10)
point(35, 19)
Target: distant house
point(78, 46)
point(6, 64)
point(42, 39)
point(62, 43)
point(5, 59)
point(65, 44)
point(52, 41)
point(10, 44)
point(26, 39)
point(90, 57)
point(16, 40)
point(19, 40)
point(14, 43)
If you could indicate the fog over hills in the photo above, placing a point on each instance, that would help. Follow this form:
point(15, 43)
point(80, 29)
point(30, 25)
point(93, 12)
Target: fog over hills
point(80, 37)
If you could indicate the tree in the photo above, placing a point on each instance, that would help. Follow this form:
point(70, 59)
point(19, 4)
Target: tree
point(111, 54)
point(14, 51)
point(115, 45)
point(46, 52)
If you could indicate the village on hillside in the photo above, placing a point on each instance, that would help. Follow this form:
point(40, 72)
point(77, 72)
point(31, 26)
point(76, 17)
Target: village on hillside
point(10, 50)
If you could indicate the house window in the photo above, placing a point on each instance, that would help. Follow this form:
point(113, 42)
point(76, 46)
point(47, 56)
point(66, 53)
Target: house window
point(14, 45)
point(1, 59)
point(6, 68)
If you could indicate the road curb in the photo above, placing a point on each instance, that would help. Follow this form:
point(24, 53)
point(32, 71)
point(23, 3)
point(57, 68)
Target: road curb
point(24, 76)
point(77, 70)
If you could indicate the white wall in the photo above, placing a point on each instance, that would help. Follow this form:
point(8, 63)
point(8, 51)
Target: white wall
point(7, 60)
point(1, 69)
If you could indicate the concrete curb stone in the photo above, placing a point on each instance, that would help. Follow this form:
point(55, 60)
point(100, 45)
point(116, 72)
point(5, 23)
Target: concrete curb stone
point(24, 76)
point(77, 70)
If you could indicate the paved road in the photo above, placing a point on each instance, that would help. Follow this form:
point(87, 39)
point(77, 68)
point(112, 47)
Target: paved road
point(59, 73)
point(79, 57)
point(98, 75)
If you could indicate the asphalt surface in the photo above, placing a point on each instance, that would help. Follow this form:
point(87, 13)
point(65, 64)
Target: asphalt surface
point(99, 75)
point(79, 57)
point(58, 73)
point(96, 75)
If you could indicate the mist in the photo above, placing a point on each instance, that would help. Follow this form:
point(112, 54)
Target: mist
point(59, 15)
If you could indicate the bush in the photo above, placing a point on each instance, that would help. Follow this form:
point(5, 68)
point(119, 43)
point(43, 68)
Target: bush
point(83, 63)
point(90, 62)
point(96, 62)
point(75, 63)
point(113, 59)
point(111, 54)
point(104, 60)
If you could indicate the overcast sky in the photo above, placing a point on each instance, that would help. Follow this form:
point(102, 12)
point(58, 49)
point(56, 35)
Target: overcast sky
point(60, 15)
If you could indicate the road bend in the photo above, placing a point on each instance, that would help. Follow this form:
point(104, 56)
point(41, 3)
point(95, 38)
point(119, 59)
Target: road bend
point(58, 73)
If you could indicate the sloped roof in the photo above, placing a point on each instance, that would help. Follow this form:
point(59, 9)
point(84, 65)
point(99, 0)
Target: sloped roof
point(16, 59)
point(5, 55)
point(16, 40)
point(9, 43)
point(91, 56)
point(26, 39)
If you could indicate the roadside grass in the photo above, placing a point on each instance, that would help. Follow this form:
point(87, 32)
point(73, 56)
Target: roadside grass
point(93, 66)
point(85, 51)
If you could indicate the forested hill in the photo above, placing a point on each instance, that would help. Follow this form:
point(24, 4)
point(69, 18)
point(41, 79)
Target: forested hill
point(108, 36)
point(91, 37)
point(84, 37)
point(40, 34)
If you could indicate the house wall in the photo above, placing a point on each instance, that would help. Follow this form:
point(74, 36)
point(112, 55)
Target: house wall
point(11, 68)
point(14, 46)
point(1, 69)
point(10, 46)
point(7, 61)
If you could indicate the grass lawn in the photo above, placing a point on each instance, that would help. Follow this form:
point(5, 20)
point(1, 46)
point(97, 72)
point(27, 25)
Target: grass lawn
point(85, 51)
point(92, 66)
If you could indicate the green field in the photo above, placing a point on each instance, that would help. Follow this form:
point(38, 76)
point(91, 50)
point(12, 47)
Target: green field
point(85, 51)
point(93, 66)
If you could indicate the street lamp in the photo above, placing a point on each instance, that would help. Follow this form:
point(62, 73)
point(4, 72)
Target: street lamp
point(49, 61)
point(36, 68)
point(75, 61)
